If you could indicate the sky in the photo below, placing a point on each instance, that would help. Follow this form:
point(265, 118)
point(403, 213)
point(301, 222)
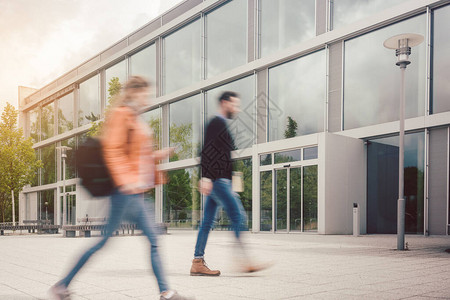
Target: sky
point(41, 40)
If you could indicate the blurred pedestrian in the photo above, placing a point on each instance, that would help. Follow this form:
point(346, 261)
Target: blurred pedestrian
point(127, 150)
point(216, 184)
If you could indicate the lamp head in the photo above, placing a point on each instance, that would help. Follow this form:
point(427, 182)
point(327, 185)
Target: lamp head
point(402, 44)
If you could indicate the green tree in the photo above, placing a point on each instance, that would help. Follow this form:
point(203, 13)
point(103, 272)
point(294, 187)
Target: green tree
point(291, 128)
point(18, 162)
point(114, 87)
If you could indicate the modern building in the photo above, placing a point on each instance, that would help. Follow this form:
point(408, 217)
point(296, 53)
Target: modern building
point(319, 125)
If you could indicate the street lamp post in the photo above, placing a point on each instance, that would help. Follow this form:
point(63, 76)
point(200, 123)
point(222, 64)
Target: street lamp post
point(64, 150)
point(402, 44)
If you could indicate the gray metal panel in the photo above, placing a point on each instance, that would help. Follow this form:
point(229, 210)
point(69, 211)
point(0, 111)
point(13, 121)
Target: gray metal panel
point(67, 77)
point(262, 99)
point(179, 10)
point(114, 49)
point(87, 65)
point(335, 87)
point(49, 87)
point(437, 183)
point(251, 30)
point(321, 16)
point(150, 27)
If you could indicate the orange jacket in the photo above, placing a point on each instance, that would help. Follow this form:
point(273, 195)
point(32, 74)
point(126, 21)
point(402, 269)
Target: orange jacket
point(123, 139)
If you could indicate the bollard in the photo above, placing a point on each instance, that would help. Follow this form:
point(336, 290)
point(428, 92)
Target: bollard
point(356, 220)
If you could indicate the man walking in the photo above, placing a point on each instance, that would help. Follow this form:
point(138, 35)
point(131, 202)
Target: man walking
point(216, 184)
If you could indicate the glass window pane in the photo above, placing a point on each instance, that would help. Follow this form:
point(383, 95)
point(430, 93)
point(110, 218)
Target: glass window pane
point(310, 153)
point(46, 205)
point(281, 200)
point(226, 37)
point(182, 199)
point(48, 157)
point(89, 103)
point(285, 23)
point(349, 11)
point(65, 113)
point(185, 127)
point(295, 199)
point(70, 160)
point(297, 97)
point(35, 181)
point(310, 198)
point(287, 156)
point(33, 121)
point(116, 77)
point(265, 159)
point(266, 200)
point(153, 119)
point(48, 121)
point(441, 63)
point(242, 128)
point(372, 86)
point(382, 184)
point(245, 166)
point(143, 64)
point(182, 57)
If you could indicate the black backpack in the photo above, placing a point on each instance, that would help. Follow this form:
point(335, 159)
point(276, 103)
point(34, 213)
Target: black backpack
point(92, 169)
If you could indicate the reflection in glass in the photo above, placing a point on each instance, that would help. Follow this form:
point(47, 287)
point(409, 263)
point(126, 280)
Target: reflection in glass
point(287, 156)
point(153, 119)
point(297, 97)
point(48, 157)
point(71, 205)
point(185, 127)
point(382, 184)
point(372, 86)
point(143, 63)
point(226, 37)
point(265, 159)
point(182, 57)
point(281, 198)
point(33, 121)
point(182, 199)
point(70, 159)
point(295, 198)
point(310, 198)
point(89, 108)
point(266, 200)
point(65, 113)
point(46, 205)
point(348, 11)
point(48, 121)
point(310, 153)
point(115, 78)
point(35, 181)
point(242, 127)
point(245, 166)
point(441, 63)
point(285, 23)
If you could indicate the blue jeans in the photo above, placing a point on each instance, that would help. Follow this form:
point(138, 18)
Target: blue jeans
point(134, 209)
point(221, 195)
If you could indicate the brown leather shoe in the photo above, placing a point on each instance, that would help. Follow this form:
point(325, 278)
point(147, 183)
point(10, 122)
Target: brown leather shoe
point(251, 268)
point(199, 268)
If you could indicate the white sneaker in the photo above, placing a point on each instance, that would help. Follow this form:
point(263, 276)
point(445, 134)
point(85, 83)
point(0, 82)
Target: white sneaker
point(173, 295)
point(59, 292)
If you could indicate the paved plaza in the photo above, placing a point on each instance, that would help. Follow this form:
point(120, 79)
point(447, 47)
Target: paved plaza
point(306, 266)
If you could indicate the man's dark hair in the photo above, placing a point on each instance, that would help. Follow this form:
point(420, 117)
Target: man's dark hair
point(227, 95)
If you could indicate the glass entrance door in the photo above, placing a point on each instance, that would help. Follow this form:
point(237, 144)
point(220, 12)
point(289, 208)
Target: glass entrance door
point(288, 199)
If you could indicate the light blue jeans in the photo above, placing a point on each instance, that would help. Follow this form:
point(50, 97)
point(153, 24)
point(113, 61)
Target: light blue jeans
point(221, 195)
point(134, 209)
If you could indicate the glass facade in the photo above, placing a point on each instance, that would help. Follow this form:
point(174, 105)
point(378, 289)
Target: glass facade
point(34, 124)
point(441, 63)
point(46, 205)
point(266, 200)
point(299, 84)
point(348, 11)
point(382, 184)
point(48, 157)
point(185, 128)
point(70, 160)
point(182, 57)
point(295, 199)
point(182, 201)
point(65, 113)
point(143, 63)
point(242, 128)
point(153, 119)
point(372, 86)
point(245, 166)
point(285, 23)
point(115, 77)
point(310, 181)
point(226, 37)
point(47, 121)
point(287, 156)
point(89, 108)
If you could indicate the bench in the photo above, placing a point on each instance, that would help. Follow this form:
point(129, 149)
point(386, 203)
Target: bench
point(31, 226)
